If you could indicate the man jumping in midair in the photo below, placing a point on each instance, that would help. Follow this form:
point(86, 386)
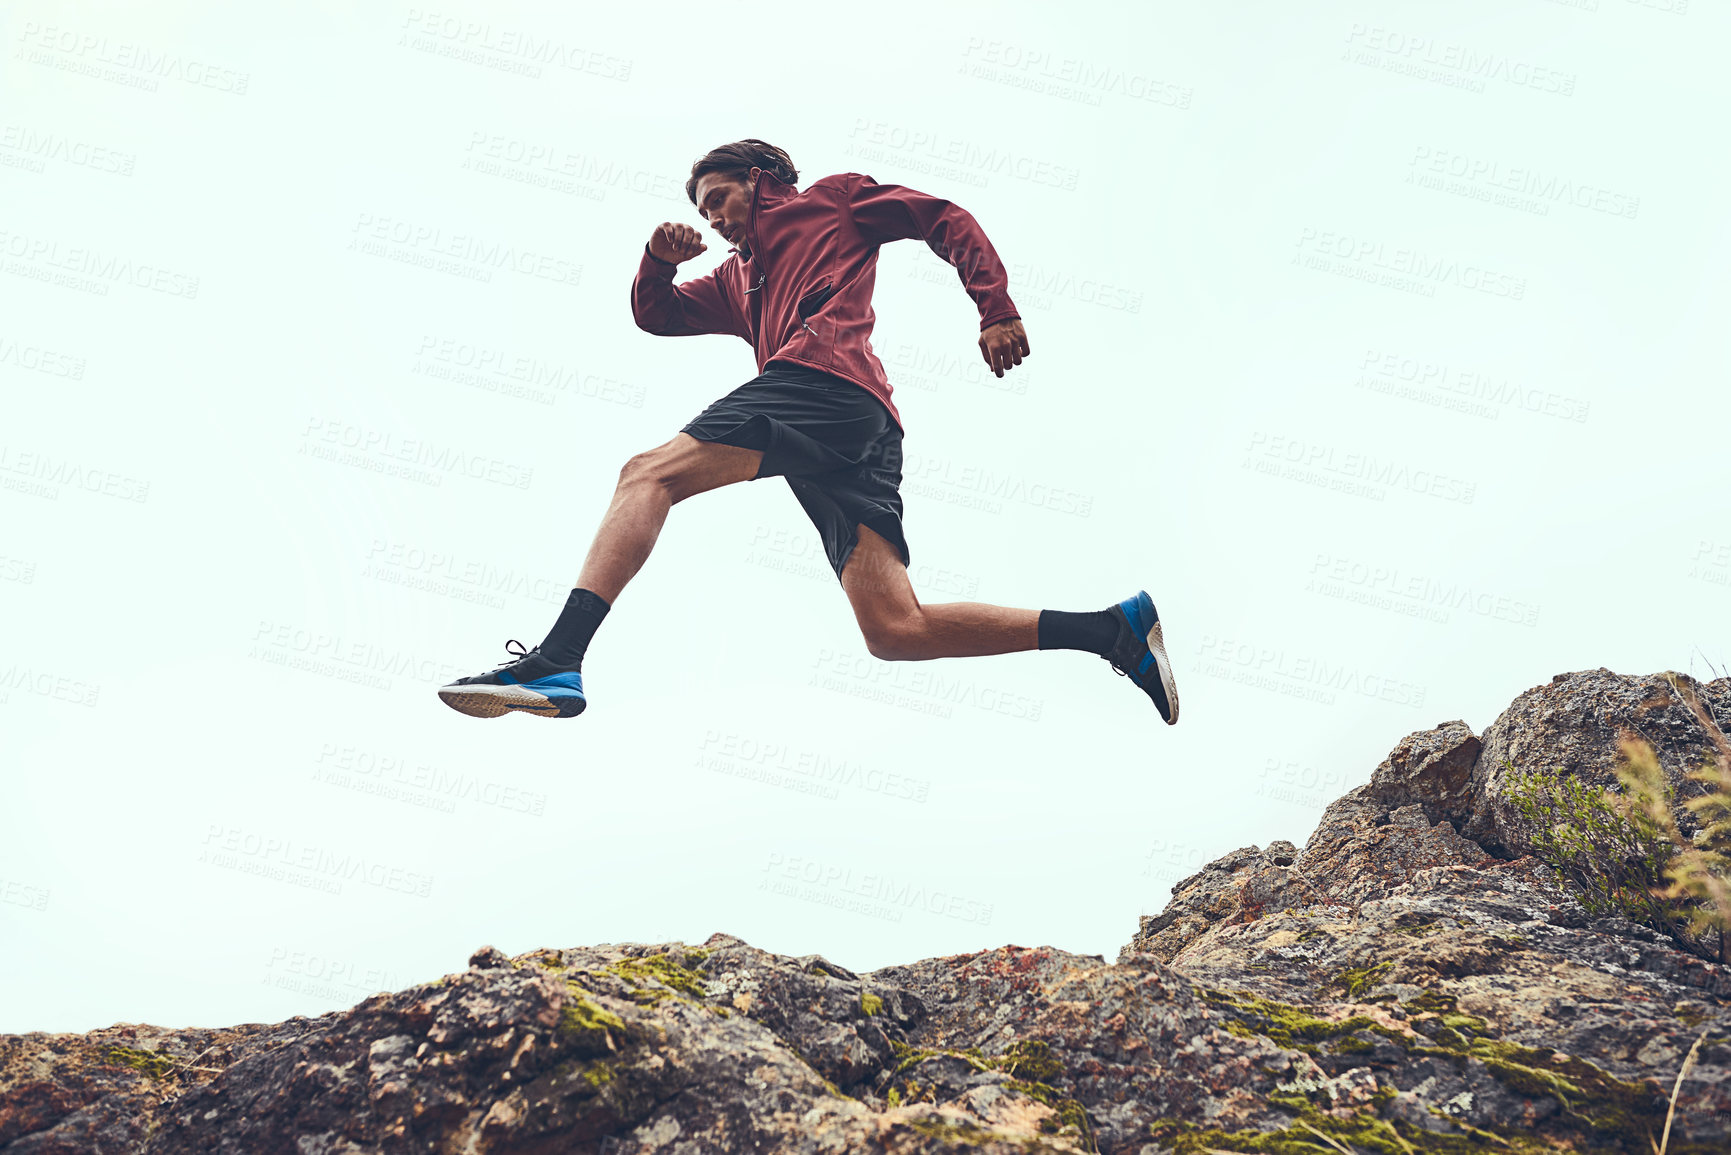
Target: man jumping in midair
point(798, 285)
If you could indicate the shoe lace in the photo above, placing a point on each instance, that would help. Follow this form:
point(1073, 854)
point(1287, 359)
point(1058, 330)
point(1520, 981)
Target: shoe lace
point(517, 654)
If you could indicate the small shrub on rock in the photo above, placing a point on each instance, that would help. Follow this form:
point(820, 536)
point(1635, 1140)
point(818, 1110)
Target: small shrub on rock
point(1623, 854)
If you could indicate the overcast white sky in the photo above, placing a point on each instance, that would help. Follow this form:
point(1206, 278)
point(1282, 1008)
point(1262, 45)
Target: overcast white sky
point(1383, 343)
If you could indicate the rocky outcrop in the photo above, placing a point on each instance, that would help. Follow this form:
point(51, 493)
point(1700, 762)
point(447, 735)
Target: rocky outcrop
point(1236, 887)
point(1441, 798)
point(1458, 1007)
point(1431, 769)
point(1369, 840)
point(1572, 724)
point(1393, 985)
point(1468, 989)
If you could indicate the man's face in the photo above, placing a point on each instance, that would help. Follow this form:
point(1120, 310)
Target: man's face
point(725, 201)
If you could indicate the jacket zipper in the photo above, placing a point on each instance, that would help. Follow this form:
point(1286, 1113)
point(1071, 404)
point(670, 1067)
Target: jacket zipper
point(751, 230)
point(756, 249)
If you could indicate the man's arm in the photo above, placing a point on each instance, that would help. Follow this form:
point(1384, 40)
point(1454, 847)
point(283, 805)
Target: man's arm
point(668, 310)
point(888, 212)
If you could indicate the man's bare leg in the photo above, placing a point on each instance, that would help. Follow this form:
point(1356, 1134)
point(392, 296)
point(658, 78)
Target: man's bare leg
point(649, 485)
point(548, 680)
point(898, 628)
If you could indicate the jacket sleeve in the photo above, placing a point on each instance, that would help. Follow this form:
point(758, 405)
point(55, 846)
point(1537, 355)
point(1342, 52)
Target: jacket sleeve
point(889, 212)
point(669, 310)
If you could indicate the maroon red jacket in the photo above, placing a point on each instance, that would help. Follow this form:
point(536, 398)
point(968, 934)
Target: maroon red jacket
point(800, 287)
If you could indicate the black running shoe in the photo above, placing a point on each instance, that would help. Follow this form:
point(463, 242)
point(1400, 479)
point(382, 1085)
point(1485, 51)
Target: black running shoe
point(526, 683)
point(1140, 653)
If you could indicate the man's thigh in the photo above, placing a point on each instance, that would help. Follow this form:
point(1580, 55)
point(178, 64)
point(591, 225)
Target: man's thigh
point(688, 466)
point(875, 580)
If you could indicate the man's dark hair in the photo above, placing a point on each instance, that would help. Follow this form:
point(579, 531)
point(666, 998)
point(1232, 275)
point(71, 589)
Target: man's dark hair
point(736, 160)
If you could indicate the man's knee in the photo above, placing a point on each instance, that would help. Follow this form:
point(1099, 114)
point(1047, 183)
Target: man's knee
point(649, 467)
point(685, 466)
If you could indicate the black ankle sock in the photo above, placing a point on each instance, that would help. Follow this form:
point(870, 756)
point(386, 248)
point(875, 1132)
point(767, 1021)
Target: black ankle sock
point(1094, 632)
point(569, 638)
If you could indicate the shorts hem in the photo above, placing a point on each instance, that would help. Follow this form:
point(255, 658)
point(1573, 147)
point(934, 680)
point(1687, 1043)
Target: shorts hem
point(897, 539)
point(772, 439)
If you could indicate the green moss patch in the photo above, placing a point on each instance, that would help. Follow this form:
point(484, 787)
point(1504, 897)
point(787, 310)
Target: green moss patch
point(1069, 1113)
point(154, 1064)
point(586, 1022)
point(965, 1134)
point(1603, 1111)
point(910, 1057)
point(1030, 1065)
point(662, 969)
point(823, 971)
point(1593, 1100)
point(1690, 1014)
point(1284, 1023)
point(1355, 981)
point(1029, 1059)
point(1363, 1131)
point(1433, 1001)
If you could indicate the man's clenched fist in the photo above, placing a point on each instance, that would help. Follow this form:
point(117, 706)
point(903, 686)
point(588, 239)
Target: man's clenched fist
point(675, 243)
point(1004, 345)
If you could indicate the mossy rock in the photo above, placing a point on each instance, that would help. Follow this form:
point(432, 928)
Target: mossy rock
point(1422, 929)
point(1468, 1025)
point(1029, 1059)
point(1594, 1102)
point(153, 1064)
point(662, 969)
point(1361, 1133)
point(586, 1023)
point(1354, 981)
point(964, 1134)
point(1599, 1110)
point(1690, 1015)
point(1288, 1025)
point(909, 1057)
point(1435, 1002)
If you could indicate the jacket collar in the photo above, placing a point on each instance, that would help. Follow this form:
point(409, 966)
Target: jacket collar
point(771, 190)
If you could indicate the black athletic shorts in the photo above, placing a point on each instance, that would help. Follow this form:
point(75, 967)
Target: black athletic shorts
point(835, 442)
